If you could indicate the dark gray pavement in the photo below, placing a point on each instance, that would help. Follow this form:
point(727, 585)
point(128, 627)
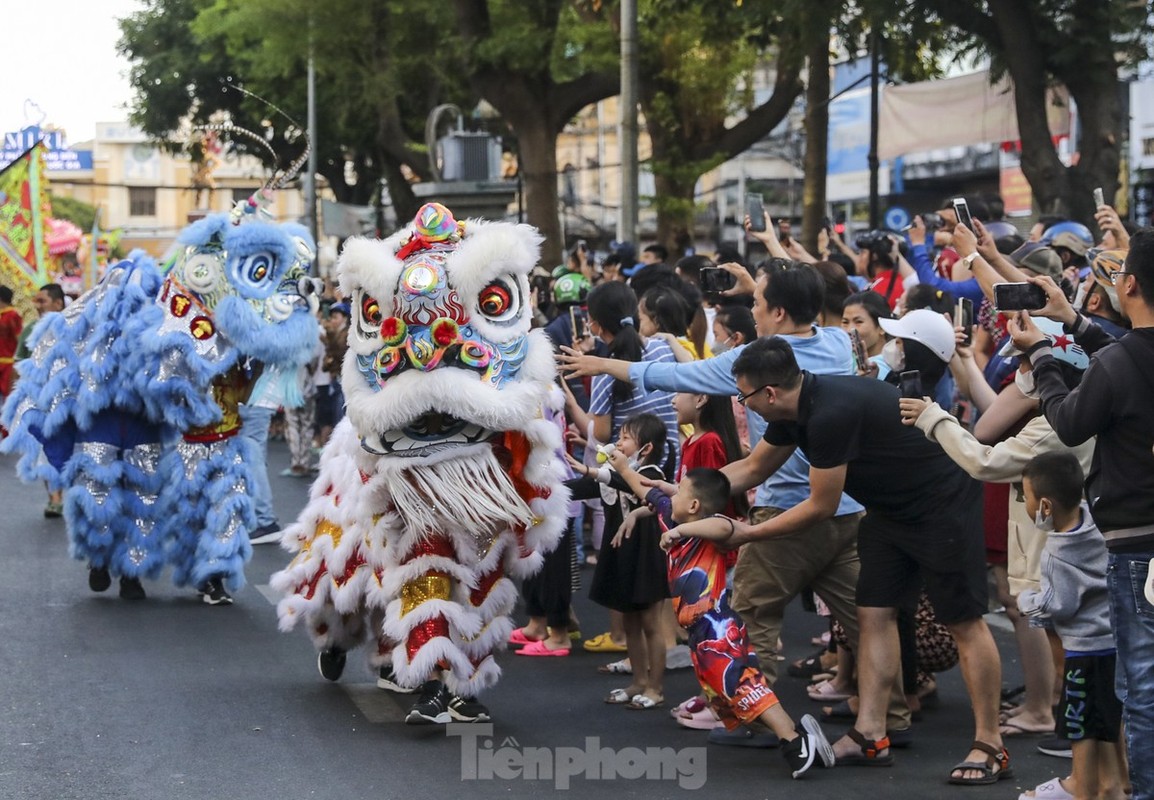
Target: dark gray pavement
point(169, 699)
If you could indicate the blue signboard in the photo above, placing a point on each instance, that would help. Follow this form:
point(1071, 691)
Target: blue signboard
point(59, 157)
point(849, 132)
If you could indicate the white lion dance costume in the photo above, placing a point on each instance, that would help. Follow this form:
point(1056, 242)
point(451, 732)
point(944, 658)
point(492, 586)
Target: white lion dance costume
point(443, 479)
point(130, 399)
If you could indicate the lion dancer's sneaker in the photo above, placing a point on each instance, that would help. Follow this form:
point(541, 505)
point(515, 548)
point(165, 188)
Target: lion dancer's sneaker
point(436, 705)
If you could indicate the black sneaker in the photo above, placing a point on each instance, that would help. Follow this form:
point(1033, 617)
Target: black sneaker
point(809, 748)
point(130, 589)
point(387, 679)
point(432, 708)
point(468, 709)
point(1056, 747)
point(265, 534)
point(99, 579)
point(213, 592)
point(331, 663)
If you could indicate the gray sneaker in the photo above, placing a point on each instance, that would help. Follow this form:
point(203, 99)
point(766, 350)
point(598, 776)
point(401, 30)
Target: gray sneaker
point(678, 657)
point(1056, 747)
point(265, 534)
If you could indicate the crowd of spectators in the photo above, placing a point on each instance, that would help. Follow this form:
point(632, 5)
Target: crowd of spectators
point(880, 431)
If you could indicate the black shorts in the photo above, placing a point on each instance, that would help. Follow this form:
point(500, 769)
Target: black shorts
point(330, 406)
point(1089, 709)
point(946, 553)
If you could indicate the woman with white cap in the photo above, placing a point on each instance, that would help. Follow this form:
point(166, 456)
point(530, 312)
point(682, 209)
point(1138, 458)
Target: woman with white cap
point(922, 340)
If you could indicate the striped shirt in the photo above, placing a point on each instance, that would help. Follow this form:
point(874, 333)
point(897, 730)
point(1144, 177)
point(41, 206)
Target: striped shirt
point(655, 402)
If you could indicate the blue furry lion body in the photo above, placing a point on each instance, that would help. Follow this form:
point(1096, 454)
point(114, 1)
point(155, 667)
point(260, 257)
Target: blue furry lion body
point(115, 380)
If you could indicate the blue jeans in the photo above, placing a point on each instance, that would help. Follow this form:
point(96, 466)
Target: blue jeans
point(254, 426)
point(1133, 618)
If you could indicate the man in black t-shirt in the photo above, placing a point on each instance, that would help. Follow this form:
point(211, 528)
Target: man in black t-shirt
point(923, 525)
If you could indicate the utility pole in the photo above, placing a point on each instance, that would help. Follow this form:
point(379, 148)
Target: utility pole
point(311, 185)
point(875, 201)
point(627, 219)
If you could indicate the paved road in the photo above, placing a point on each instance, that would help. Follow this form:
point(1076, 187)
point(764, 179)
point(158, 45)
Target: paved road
point(170, 699)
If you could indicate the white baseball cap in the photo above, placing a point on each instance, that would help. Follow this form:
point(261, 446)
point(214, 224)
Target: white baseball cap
point(925, 327)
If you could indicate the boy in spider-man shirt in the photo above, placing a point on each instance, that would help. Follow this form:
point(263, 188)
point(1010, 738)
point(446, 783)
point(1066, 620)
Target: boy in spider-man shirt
point(725, 664)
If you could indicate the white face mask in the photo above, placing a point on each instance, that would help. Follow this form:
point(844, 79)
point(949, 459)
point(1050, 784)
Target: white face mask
point(894, 355)
point(1043, 522)
point(1025, 383)
point(1080, 298)
point(720, 347)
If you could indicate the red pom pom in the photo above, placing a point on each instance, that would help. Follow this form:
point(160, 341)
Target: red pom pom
point(445, 332)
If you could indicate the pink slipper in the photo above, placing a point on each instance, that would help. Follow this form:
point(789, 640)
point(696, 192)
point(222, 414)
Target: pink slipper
point(539, 649)
point(703, 720)
point(690, 706)
point(827, 691)
point(518, 637)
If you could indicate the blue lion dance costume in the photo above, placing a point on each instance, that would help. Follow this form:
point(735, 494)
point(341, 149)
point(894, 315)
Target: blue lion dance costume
point(130, 399)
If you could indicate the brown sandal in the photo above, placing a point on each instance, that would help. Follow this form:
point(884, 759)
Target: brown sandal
point(870, 752)
point(999, 758)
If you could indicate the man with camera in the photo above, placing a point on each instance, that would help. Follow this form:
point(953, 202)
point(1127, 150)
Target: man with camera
point(877, 262)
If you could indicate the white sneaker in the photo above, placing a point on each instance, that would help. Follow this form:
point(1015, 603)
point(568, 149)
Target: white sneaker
point(678, 657)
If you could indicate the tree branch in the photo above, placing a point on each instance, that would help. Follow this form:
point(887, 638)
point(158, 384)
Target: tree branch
point(566, 99)
point(760, 120)
point(969, 18)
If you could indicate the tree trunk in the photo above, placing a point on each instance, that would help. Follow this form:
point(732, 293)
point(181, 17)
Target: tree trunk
point(537, 160)
point(675, 212)
point(816, 143)
point(405, 203)
point(1100, 116)
point(1025, 62)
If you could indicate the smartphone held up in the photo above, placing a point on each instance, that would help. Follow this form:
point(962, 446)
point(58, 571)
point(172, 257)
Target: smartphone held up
point(755, 208)
point(910, 383)
point(1019, 297)
point(861, 359)
point(962, 212)
point(964, 319)
point(578, 323)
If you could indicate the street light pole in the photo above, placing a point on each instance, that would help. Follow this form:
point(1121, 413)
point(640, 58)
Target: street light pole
point(311, 184)
point(627, 219)
point(875, 200)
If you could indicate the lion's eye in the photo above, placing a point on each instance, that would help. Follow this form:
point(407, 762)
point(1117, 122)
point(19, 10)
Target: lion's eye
point(371, 311)
point(258, 267)
point(495, 300)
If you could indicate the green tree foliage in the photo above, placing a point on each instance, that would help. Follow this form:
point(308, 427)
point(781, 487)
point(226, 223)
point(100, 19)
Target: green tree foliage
point(79, 213)
point(538, 62)
point(698, 63)
point(374, 85)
